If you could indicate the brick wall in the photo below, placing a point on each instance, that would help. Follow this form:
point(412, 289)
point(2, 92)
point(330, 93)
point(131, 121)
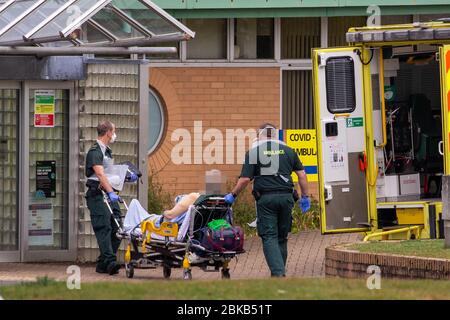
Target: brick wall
point(222, 98)
point(346, 263)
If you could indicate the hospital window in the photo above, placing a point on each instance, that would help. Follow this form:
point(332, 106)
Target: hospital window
point(299, 36)
point(254, 38)
point(156, 121)
point(297, 99)
point(210, 39)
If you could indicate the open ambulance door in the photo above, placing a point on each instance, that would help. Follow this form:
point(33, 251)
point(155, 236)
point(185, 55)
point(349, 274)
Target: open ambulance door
point(340, 126)
point(444, 147)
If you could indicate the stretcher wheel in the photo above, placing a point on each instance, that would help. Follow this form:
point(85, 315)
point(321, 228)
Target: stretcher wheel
point(129, 270)
point(226, 274)
point(187, 274)
point(167, 271)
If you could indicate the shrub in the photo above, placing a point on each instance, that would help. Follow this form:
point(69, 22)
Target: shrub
point(158, 199)
point(244, 212)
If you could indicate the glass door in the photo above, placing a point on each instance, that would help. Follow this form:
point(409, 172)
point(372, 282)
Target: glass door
point(9, 204)
point(48, 190)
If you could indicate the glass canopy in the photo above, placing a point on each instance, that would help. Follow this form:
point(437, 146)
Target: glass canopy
point(86, 23)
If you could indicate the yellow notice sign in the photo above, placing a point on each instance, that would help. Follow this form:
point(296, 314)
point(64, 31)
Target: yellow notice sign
point(305, 145)
point(44, 108)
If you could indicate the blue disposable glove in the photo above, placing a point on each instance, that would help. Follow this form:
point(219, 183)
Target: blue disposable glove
point(304, 203)
point(113, 197)
point(229, 198)
point(133, 177)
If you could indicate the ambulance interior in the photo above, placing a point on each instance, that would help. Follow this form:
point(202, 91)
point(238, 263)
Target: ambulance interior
point(410, 164)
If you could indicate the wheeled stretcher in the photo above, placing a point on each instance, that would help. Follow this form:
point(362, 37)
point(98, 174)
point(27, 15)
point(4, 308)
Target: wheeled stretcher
point(153, 243)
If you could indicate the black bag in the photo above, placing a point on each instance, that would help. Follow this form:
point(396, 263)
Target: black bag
point(224, 239)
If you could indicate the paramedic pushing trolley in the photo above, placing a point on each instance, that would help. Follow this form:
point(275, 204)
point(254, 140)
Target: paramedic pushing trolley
point(98, 158)
point(270, 163)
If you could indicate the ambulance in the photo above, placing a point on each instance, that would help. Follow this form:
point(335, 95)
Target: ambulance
point(383, 133)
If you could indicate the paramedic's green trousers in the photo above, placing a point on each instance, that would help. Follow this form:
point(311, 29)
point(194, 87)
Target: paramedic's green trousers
point(274, 213)
point(105, 229)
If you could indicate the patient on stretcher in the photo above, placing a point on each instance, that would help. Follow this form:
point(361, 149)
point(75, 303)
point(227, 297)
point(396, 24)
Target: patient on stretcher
point(136, 213)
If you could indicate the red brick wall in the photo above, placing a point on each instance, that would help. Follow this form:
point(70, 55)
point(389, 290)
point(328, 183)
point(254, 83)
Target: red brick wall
point(222, 98)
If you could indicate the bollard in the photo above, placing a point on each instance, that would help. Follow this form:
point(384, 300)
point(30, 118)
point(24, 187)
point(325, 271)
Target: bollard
point(446, 209)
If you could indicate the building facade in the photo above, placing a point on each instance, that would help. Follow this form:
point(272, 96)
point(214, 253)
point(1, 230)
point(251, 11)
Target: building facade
point(249, 63)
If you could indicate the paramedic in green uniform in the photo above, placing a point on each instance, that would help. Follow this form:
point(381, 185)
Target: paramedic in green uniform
point(269, 164)
point(100, 156)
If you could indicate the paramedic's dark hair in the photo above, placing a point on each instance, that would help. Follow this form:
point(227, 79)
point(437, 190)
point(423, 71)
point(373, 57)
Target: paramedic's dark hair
point(270, 128)
point(103, 127)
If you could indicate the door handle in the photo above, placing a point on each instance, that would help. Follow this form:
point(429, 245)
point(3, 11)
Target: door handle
point(441, 147)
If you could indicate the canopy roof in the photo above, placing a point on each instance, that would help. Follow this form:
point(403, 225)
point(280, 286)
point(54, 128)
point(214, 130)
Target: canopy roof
point(86, 23)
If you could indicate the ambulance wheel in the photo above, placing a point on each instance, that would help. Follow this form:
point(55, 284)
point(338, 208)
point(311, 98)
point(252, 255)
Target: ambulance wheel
point(226, 274)
point(187, 274)
point(129, 270)
point(167, 271)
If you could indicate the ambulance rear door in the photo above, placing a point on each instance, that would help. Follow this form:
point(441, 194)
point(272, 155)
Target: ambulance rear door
point(340, 125)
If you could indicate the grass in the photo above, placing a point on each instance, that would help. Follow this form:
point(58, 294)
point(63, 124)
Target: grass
point(284, 289)
point(420, 248)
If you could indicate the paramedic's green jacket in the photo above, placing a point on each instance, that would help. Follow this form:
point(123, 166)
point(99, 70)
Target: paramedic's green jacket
point(104, 226)
point(270, 165)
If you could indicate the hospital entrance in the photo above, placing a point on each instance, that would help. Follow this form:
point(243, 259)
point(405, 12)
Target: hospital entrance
point(36, 196)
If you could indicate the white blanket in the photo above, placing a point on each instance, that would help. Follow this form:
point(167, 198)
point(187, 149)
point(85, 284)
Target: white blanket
point(137, 214)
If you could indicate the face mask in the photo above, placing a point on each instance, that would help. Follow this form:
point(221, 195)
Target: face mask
point(113, 138)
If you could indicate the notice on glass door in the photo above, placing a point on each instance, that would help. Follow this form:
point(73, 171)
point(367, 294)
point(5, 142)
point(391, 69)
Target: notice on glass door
point(46, 179)
point(40, 223)
point(44, 108)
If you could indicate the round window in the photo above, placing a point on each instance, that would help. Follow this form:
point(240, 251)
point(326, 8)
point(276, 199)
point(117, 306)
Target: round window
point(156, 120)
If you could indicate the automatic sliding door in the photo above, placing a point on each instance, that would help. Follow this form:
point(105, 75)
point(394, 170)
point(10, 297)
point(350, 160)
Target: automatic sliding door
point(48, 208)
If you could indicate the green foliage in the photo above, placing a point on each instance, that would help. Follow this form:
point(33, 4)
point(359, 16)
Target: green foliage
point(306, 221)
point(158, 199)
point(244, 212)
point(44, 281)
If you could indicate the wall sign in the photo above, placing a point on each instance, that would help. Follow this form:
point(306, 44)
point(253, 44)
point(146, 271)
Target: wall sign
point(46, 178)
point(44, 108)
point(40, 223)
point(303, 142)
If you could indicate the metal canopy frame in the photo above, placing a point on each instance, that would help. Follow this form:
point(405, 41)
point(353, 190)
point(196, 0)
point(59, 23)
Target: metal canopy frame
point(52, 29)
